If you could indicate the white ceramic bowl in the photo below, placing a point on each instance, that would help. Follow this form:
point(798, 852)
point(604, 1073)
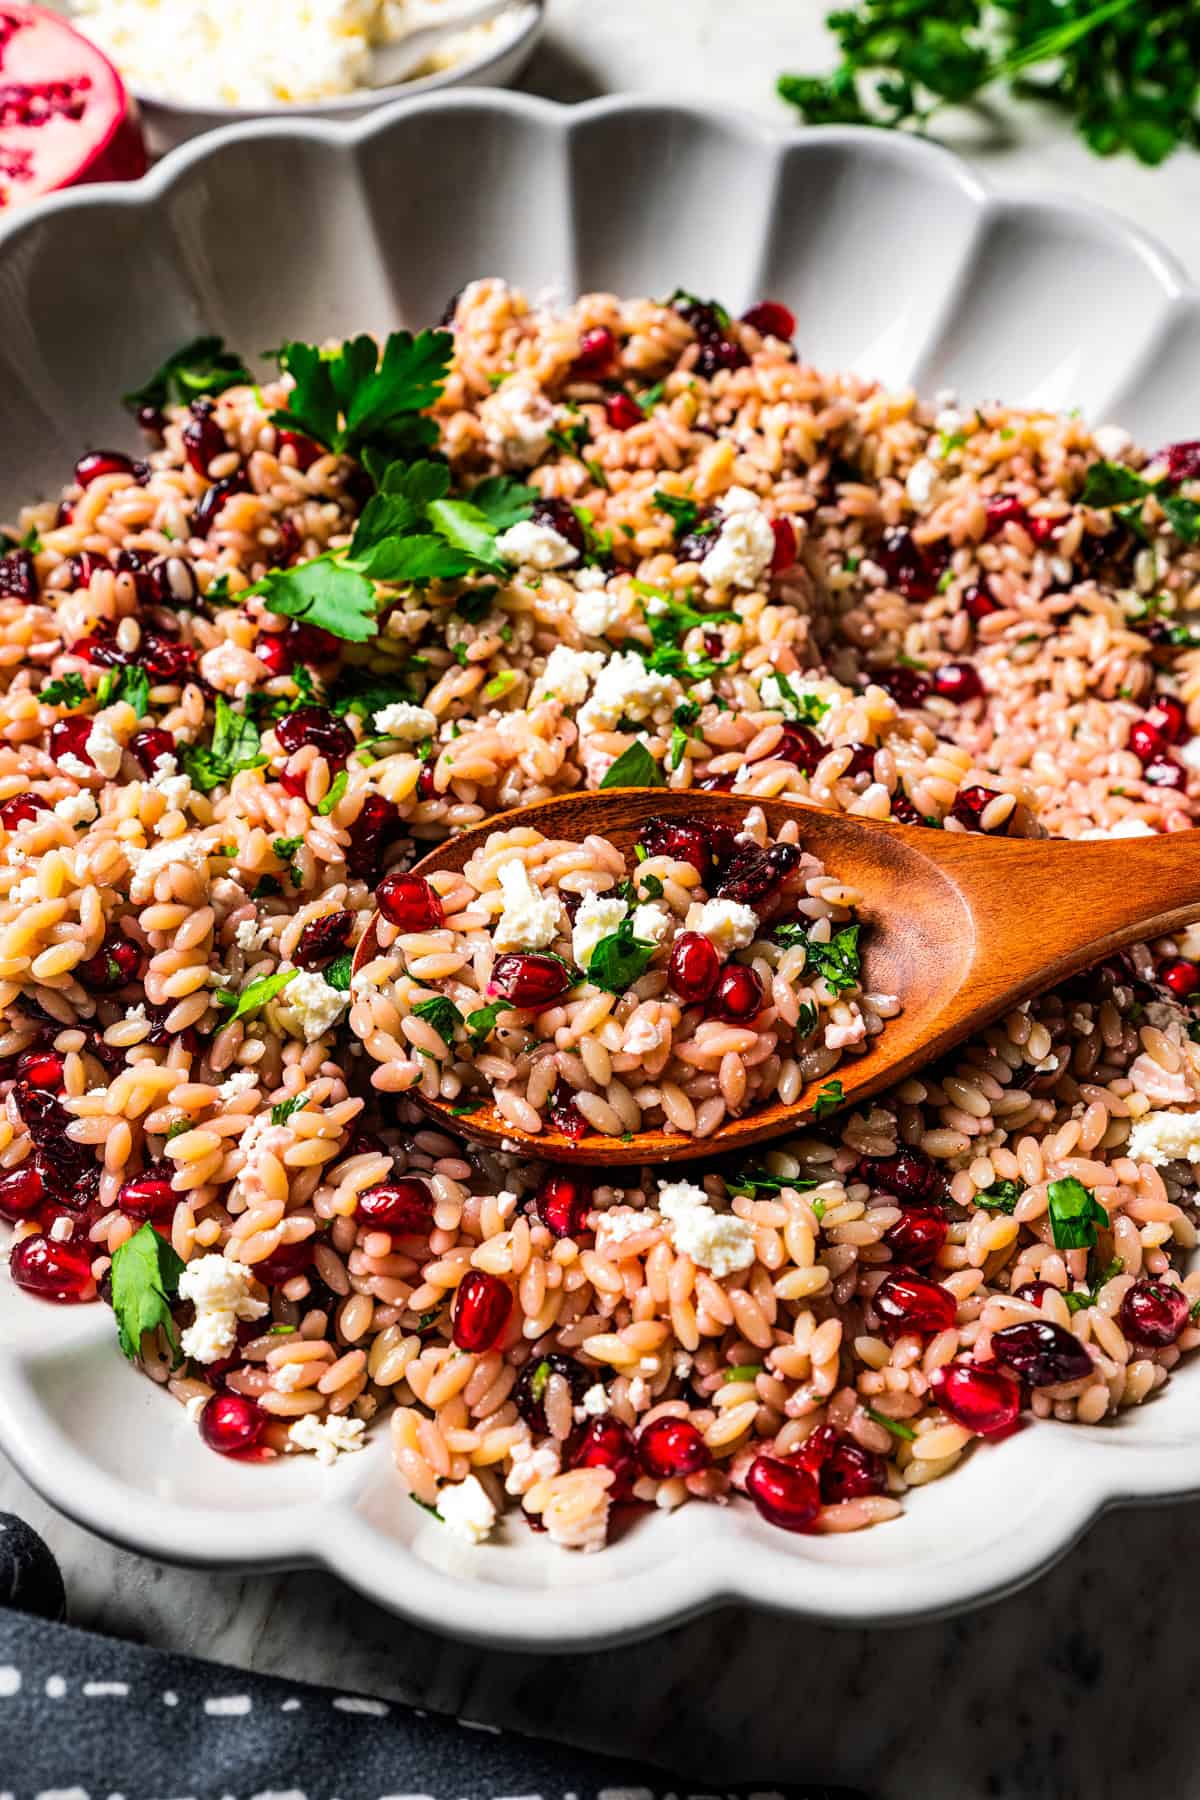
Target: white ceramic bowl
point(898, 263)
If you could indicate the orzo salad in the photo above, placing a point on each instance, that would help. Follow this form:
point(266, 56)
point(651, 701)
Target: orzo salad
point(395, 589)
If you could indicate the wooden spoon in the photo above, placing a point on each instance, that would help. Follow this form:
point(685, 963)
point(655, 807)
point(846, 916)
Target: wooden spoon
point(961, 928)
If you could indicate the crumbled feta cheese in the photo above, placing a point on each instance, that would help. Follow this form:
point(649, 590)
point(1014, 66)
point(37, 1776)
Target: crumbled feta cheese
point(328, 1438)
point(251, 935)
point(595, 1400)
point(1112, 441)
point(720, 1242)
point(1189, 755)
point(1162, 1137)
point(26, 892)
point(136, 1015)
point(70, 764)
point(104, 746)
point(651, 923)
point(188, 850)
point(642, 1036)
point(744, 546)
point(598, 917)
point(77, 809)
point(530, 1464)
point(531, 546)
point(568, 674)
point(530, 918)
point(625, 689)
point(175, 789)
point(219, 1289)
point(727, 924)
point(618, 1223)
point(405, 721)
point(950, 420)
point(465, 1509)
point(922, 479)
point(639, 1394)
point(517, 420)
point(240, 1082)
point(597, 608)
point(316, 1005)
point(1124, 828)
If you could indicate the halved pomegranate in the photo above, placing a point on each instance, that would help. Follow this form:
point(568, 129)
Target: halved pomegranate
point(65, 117)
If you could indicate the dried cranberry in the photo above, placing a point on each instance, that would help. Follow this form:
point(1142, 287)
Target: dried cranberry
point(1183, 460)
point(784, 554)
point(978, 603)
point(150, 1194)
point(52, 1271)
point(756, 874)
point(739, 993)
point(622, 413)
point(22, 1192)
point(114, 965)
point(208, 507)
point(1181, 976)
point(917, 1236)
point(785, 1495)
point(909, 1175)
point(564, 1115)
point(203, 438)
point(1168, 715)
point(526, 978)
point(41, 1069)
point(19, 809)
point(597, 347)
point(84, 565)
point(670, 1447)
point(231, 1424)
point(133, 562)
point(851, 1473)
point(913, 569)
point(1147, 740)
point(322, 939)
point(68, 737)
point(984, 1400)
point(771, 319)
point(717, 353)
point(716, 784)
point(957, 681)
point(694, 967)
point(1041, 1353)
point(315, 725)
point(1154, 1313)
point(403, 1205)
point(18, 576)
point(862, 762)
point(1034, 1292)
point(285, 1263)
point(150, 746)
point(970, 804)
point(907, 1302)
point(96, 463)
point(801, 747)
point(605, 1443)
point(908, 687)
point(661, 836)
point(560, 516)
point(409, 902)
point(529, 1389)
point(305, 451)
point(376, 828)
point(482, 1306)
point(563, 1202)
point(1165, 772)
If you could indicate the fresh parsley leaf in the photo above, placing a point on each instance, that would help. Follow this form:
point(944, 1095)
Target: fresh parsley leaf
point(282, 1112)
point(65, 690)
point(234, 746)
point(203, 366)
point(679, 744)
point(465, 1111)
point(1002, 1196)
point(1075, 1214)
point(754, 1184)
point(482, 1022)
point(442, 1014)
point(253, 998)
point(325, 592)
point(570, 439)
point(652, 888)
point(355, 398)
point(649, 398)
point(620, 959)
point(829, 1099)
point(358, 691)
point(634, 767)
point(1183, 516)
point(30, 541)
point(145, 1279)
point(178, 1128)
point(130, 683)
point(285, 849)
point(1112, 484)
point(837, 962)
point(337, 788)
point(337, 975)
point(683, 512)
point(806, 1019)
point(897, 1427)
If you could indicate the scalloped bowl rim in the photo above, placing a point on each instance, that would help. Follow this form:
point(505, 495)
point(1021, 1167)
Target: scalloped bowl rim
point(732, 1564)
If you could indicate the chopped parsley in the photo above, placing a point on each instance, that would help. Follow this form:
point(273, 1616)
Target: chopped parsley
point(285, 849)
point(570, 439)
point(1114, 485)
point(482, 1022)
point(130, 683)
point(620, 959)
point(235, 746)
point(838, 962)
point(897, 1427)
point(253, 998)
point(282, 1112)
point(337, 789)
point(634, 767)
point(442, 1014)
point(145, 1279)
point(1075, 1214)
point(337, 974)
point(829, 1099)
point(743, 1372)
point(203, 366)
point(679, 744)
point(1002, 1196)
point(65, 690)
point(362, 402)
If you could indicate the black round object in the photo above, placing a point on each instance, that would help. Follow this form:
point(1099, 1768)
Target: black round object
point(30, 1580)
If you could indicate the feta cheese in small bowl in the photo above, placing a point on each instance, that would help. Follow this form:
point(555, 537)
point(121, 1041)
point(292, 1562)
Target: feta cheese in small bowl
point(194, 65)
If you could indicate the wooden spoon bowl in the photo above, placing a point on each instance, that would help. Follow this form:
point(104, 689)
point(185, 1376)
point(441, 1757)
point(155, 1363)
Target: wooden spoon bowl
point(960, 927)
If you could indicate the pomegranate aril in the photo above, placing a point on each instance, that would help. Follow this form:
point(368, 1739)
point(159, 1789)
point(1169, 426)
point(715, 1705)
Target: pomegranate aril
point(22, 1192)
point(96, 463)
point(978, 603)
point(1147, 740)
point(1001, 510)
point(605, 1443)
point(957, 681)
point(19, 809)
point(1034, 1291)
point(403, 1205)
point(622, 412)
point(784, 554)
point(816, 1449)
point(1183, 460)
point(203, 438)
point(785, 1495)
point(1154, 1313)
point(482, 1307)
point(1165, 772)
point(984, 1400)
point(801, 747)
point(913, 569)
point(529, 1389)
point(150, 746)
point(408, 901)
point(208, 508)
point(303, 449)
point(694, 968)
point(910, 1175)
point(908, 687)
point(771, 319)
point(1169, 717)
point(670, 1447)
point(909, 1303)
point(68, 737)
point(231, 1424)
point(271, 649)
point(560, 516)
point(371, 835)
point(917, 1236)
point(42, 1069)
point(1041, 1353)
point(739, 993)
point(528, 979)
point(1181, 976)
point(322, 939)
point(115, 964)
point(597, 347)
point(565, 1116)
point(285, 1263)
point(851, 1473)
point(562, 1203)
point(150, 1194)
point(53, 1271)
point(905, 812)
point(970, 804)
point(18, 576)
point(315, 725)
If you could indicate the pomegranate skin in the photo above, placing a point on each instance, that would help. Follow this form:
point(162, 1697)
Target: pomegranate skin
point(66, 117)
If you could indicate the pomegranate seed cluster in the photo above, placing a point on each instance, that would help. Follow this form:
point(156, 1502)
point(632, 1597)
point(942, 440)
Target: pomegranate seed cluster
point(725, 570)
point(710, 975)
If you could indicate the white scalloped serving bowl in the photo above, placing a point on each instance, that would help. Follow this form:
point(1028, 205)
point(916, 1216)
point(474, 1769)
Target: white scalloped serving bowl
point(898, 263)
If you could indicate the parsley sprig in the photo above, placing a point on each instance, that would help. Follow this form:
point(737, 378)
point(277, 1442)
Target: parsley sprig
point(145, 1279)
point(203, 366)
point(1115, 485)
point(366, 403)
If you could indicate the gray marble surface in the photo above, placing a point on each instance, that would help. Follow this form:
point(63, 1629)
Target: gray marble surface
point(1078, 1687)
